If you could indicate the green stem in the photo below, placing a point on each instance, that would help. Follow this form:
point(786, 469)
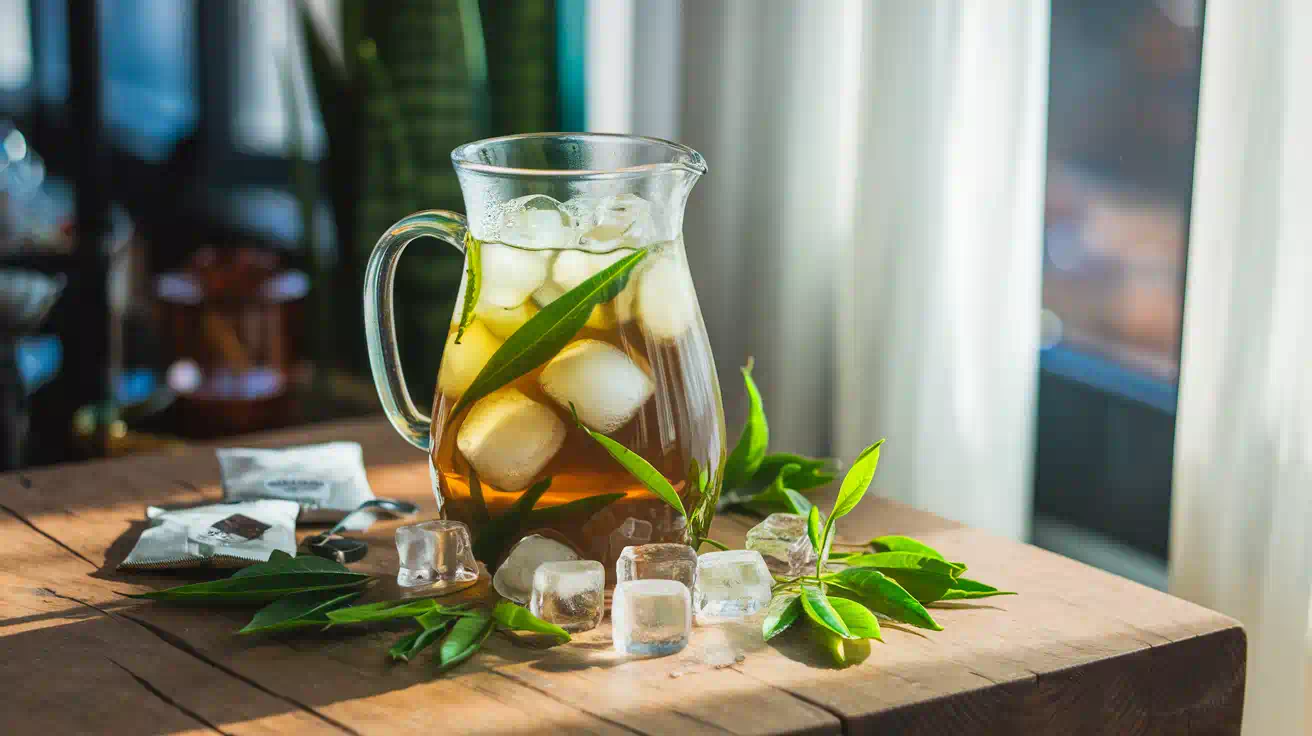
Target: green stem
point(718, 545)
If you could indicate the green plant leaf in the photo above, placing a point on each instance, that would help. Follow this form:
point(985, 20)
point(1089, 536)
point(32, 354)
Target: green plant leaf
point(582, 508)
point(907, 561)
point(518, 618)
point(282, 575)
point(965, 589)
point(473, 282)
point(637, 466)
point(297, 610)
point(466, 637)
point(818, 609)
point(718, 545)
point(407, 648)
point(777, 497)
point(494, 538)
point(481, 516)
point(782, 612)
point(926, 586)
point(843, 652)
point(811, 472)
point(815, 528)
point(896, 543)
point(388, 610)
point(854, 486)
point(857, 618)
point(747, 455)
point(882, 594)
point(546, 332)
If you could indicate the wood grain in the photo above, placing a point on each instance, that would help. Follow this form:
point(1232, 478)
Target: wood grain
point(1078, 652)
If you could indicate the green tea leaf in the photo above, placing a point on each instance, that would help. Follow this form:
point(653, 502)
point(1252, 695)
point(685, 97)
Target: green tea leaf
point(473, 282)
point(407, 648)
point(811, 472)
point(895, 543)
point(518, 618)
point(582, 508)
point(481, 516)
point(637, 466)
point(299, 609)
point(783, 611)
point(546, 332)
point(907, 561)
point(388, 610)
point(494, 538)
point(883, 595)
point(776, 497)
point(857, 618)
point(466, 637)
point(965, 589)
point(815, 528)
point(281, 562)
point(256, 588)
point(818, 609)
point(747, 455)
point(843, 652)
point(926, 586)
point(854, 486)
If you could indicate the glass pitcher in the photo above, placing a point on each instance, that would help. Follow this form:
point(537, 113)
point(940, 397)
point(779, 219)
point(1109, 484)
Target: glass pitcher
point(548, 216)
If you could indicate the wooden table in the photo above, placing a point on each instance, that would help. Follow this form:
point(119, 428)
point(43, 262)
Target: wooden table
point(1078, 651)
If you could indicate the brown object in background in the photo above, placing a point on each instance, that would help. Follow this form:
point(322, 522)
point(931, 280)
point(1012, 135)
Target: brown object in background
point(231, 323)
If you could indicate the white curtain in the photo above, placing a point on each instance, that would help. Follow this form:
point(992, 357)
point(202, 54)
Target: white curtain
point(870, 227)
point(1241, 520)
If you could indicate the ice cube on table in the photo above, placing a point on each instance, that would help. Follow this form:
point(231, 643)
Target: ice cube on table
point(666, 303)
point(731, 584)
point(782, 541)
point(510, 275)
point(605, 386)
point(569, 594)
point(514, 579)
point(461, 363)
point(630, 533)
point(657, 562)
point(536, 222)
point(435, 553)
point(650, 618)
point(509, 438)
point(503, 322)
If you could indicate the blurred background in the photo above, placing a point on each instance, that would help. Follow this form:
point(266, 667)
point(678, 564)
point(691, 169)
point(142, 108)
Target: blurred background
point(964, 228)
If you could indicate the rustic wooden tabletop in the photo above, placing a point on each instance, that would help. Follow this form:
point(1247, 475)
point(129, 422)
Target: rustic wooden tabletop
point(1077, 652)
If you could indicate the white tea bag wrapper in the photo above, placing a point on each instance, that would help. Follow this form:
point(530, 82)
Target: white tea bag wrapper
point(231, 534)
point(328, 480)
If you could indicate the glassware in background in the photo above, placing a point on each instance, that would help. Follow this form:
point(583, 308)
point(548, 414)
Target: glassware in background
point(231, 323)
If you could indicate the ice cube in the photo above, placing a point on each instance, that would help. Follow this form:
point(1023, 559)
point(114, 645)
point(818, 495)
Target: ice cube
point(782, 541)
point(666, 302)
point(537, 222)
point(606, 387)
point(569, 594)
point(514, 579)
point(503, 322)
point(573, 267)
point(509, 438)
point(511, 275)
point(582, 211)
point(731, 584)
point(658, 562)
point(630, 533)
point(548, 293)
point(623, 218)
point(461, 363)
point(435, 552)
point(650, 617)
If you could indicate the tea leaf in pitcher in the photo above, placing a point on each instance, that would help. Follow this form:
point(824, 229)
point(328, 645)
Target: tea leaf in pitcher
point(473, 282)
point(747, 455)
point(546, 332)
point(582, 508)
point(497, 536)
point(637, 466)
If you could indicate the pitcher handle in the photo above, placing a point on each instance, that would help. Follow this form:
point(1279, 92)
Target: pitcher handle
point(380, 323)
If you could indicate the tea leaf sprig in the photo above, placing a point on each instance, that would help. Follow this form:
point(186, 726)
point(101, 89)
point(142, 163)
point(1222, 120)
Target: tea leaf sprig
point(318, 598)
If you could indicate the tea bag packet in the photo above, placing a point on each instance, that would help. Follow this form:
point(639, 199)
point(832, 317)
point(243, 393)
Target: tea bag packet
point(231, 534)
point(327, 480)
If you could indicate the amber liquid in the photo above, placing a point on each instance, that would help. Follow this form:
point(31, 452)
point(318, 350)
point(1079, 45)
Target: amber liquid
point(679, 430)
